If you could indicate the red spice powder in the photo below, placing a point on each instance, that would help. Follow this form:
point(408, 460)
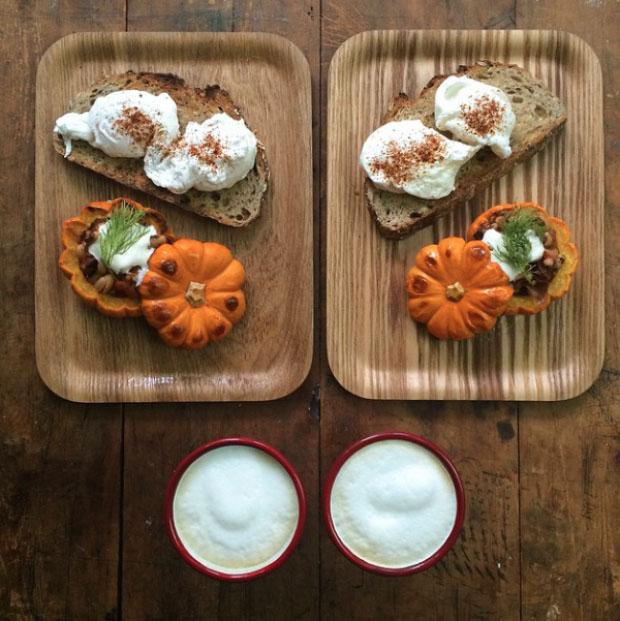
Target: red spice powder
point(167, 148)
point(400, 164)
point(135, 124)
point(209, 152)
point(484, 116)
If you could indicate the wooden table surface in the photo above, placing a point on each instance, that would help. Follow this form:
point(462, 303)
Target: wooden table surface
point(81, 486)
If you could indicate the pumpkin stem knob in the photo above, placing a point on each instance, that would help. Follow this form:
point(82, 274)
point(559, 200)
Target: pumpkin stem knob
point(195, 293)
point(455, 291)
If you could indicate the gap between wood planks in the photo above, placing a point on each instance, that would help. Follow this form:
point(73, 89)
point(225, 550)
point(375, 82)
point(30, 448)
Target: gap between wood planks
point(518, 406)
point(119, 577)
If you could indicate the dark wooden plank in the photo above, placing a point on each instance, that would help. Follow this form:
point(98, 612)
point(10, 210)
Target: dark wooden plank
point(570, 452)
point(156, 583)
point(60, 461)
point(480, 577)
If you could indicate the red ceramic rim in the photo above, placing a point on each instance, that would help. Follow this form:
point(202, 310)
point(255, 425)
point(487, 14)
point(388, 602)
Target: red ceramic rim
point(169, 516)
point(460, 503)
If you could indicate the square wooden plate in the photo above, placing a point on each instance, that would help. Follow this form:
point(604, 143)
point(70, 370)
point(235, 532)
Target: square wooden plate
point(374, 348)
point(85, 356)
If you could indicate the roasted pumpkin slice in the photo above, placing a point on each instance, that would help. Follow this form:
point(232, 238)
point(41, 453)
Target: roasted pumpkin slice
point(549, 276)
point(110, 293)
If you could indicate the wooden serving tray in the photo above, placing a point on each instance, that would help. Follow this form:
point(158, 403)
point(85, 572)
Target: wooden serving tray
point(374, 349)
point(85, 356)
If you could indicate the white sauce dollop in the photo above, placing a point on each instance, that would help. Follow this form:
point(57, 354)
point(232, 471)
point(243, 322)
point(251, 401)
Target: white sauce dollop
point(137, 255)
point(495, 240)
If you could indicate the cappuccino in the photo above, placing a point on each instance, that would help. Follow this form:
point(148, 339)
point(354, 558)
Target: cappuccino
point(393, 503)
point(235, 509)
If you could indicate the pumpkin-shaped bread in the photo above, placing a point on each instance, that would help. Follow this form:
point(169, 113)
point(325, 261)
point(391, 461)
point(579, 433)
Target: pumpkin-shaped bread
point(111, 294)
point(192, 293)
point(456, 290)
point(548, 278)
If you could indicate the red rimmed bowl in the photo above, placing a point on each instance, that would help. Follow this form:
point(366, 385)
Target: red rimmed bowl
point(177, 536)
point(382, 491)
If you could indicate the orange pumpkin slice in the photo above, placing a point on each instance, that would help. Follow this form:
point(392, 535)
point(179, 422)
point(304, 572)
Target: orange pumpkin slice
point(561, 282)
point(456, 290)
point(192, 293)
point(115, 305)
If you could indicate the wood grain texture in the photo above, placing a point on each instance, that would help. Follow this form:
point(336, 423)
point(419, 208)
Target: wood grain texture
point(479, 577)
point(374, 349)
point(85, 356)
point(542, 479)
point(155, 582)
point(482, 583)
point(60, 462)
point(570, 461)
point(570, 452)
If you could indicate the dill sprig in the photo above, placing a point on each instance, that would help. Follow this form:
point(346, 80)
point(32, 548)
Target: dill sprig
point(121, 232)
point(516, 247)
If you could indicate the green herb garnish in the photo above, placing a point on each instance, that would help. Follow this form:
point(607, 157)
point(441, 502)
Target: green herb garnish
point(516, 247)
point(121, 232)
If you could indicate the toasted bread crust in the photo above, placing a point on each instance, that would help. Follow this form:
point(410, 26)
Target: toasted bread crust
point(399, 215)
point(236, 206)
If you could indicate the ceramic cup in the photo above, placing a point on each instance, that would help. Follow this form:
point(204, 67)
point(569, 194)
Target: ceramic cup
point(235, 509)
point(393, 503)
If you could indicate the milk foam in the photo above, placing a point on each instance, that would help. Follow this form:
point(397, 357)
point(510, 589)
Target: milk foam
point(393, 503)
point(235, 509)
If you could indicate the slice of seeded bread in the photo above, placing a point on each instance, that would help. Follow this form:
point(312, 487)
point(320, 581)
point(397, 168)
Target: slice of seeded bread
point(236, 206)
point(539, 116)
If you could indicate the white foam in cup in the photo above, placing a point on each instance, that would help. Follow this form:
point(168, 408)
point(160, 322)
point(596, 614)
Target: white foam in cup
point(393, 503)
point(235, 509)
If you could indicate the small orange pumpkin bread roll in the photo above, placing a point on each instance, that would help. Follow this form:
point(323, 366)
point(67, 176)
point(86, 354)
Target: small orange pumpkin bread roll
point(110, 287)
point(456, 290)
point(192, 293)
point(543, 276)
